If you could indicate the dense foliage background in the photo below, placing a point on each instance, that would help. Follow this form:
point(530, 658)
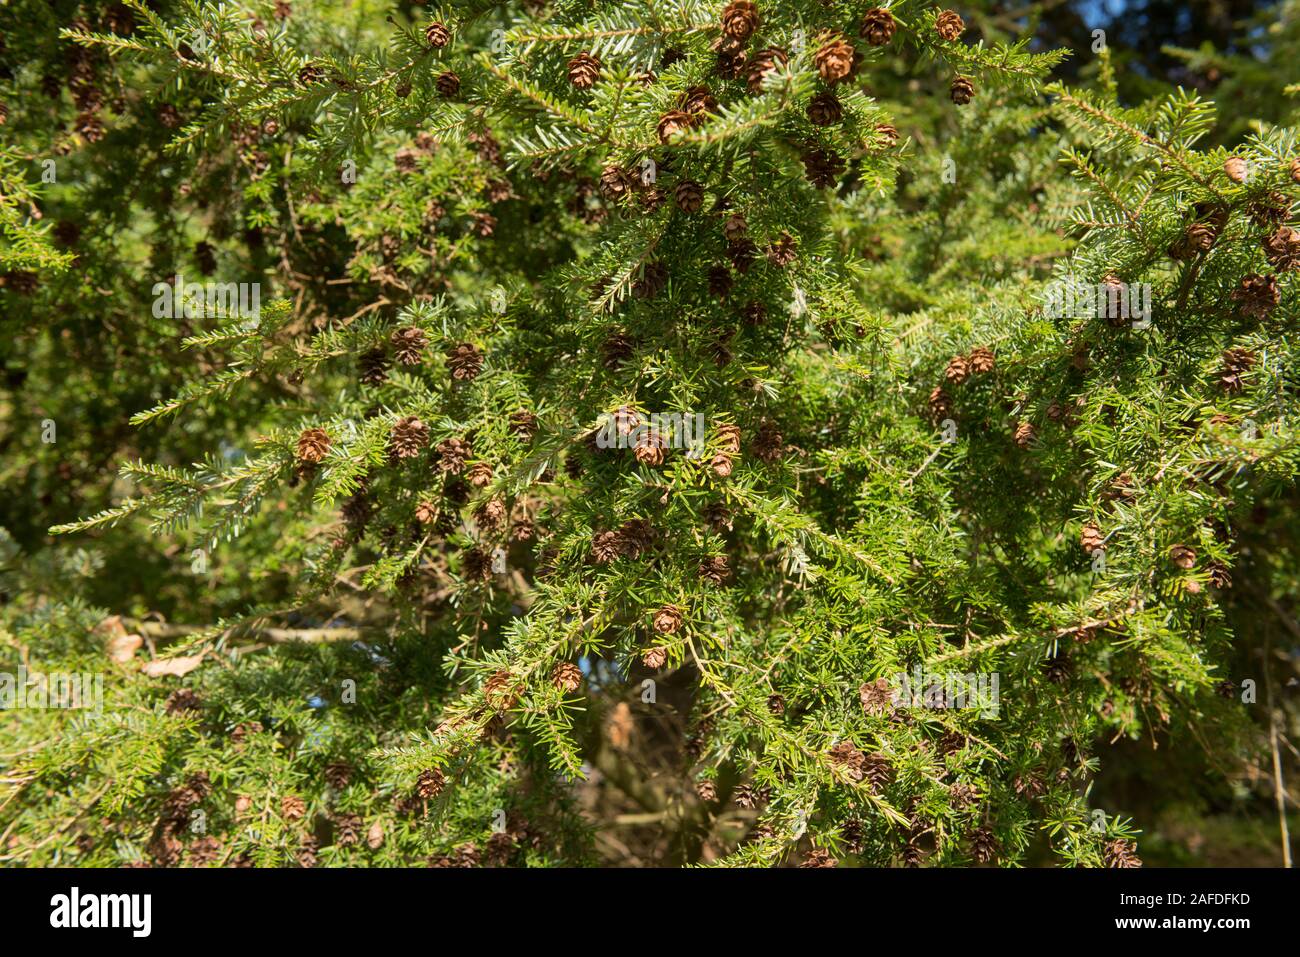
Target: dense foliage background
point(364, 586)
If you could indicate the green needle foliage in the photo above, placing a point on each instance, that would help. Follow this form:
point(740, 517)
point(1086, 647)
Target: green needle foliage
point(636, 393)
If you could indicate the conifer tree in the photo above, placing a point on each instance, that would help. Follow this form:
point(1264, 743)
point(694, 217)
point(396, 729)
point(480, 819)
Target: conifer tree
point(681, 412)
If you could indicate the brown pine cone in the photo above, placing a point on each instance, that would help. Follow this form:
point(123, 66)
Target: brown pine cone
point(958, 370)
point(746, 796)
point(338, 774)
point(1236, 169)
point(962, 90)
point(689, 196)
point(878, 27)
point(1025, 434)
point(981, 359)
point(491, 515)
point(452, 454)
point(768, 444)
point(479, 474)
point(426, 513)
point(1184, 556)
point(408, 344)
point(615, 184)
point(823, 168)
point(1295, 170)
point(523, 424)
point(347, 829)
point(584, 70)
point(877, 697)
point(782, 252)
point(877, 770)
point(310, 74)
point(1121, 853)
point(182, 700)
point(655, 658)
point(720, 281)
point(849, 760)
point(448, 84)
point(650, 448)
point(732, 62)
point(502, 690)
point(836, 60)
point(307, 851)
point(465, 362)
point(715, 570)
point(606, 546)
point(1091, 539)
point(313, 446)
point(292, 807)
point(430, 783)
point(824, 110)
point(949, 25)
point(1257, 296)
point(567, 677)
point(739, 20)
point(437, 35)
point(1282, 249)
point(764, 62)
point(776, 704)
point(984, 845)
point(373, 367)
point(668, 619)
point(722, 465)
point(728, 438)
point(408, 437)
point(940, 403)
point(672, 123)
point(699, 100)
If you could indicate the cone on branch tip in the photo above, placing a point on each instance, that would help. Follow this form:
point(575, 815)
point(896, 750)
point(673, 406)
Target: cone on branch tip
point(878, 26)
point(584, 71)
point(313, 446)
point(949, 25)
point(437, 35)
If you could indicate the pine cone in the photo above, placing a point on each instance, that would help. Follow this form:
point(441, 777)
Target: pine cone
point(307, 850)
point(373, 367)
point(689, 196)
point(769, 444)
point(1295, 170)
point(981, 359)
point(650, 448)
point(491, 515)
point(430, 783)
point(1282, 249)
point(1236, 169)
point(877, 697)
point(940, 404)
point(1121, 853)
point(448, 84)
point(824, 110)
point(408, 437)
point(465, 362)
point(1091, 539)
point(720, 281)
point(584, 70)
point(878, 27)
point(637, 536)
point(1184, 556)
point(617, 349)
point(836, 60)
point(182, 700)
point(651, 282)
point(338, 774)
point(715, 570)
point(782, 252)
point(606, 546)
point(739, 20)
point(746, 796)
point(347, 829)
point(728, 438)
point(672, 123)
point(502, 690)
point(764, 62)
point(962, 90)
point(706, 790)
point(408, 344)
point(984, 845)
point(877, 770)
point(1058, 668)
point(823, 168)
point(699, 100)
point(1257, 296)
point(958, 370)
point(1025, 434)
point(776, 704)
point(452, 454)
point(310, 75)
point(949, 25)
point(477, 565)
point(313, 446)
point(292, 807)
point(615, 184)
point(479, 474)
point(567, 677)
point(523, 424)
point(849, 760)
point(655, 658)
point(668, 619)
